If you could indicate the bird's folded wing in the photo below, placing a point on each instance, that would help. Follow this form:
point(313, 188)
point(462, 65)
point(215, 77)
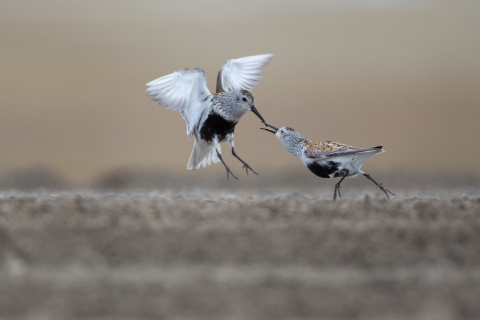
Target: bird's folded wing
point(242, 73)
point(184, 90)
point(326, 154)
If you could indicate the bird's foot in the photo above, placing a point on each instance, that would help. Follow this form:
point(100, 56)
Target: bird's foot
point(229, 172)
point(337, 189)
point(343, 173)
point(247, 167)
point(385, 190)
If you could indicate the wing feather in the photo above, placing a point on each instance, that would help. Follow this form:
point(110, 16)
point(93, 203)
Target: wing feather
point(347, 150)
point(242, 73)
point(185, 91)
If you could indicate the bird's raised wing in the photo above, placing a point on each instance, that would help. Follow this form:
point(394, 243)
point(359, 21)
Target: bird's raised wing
point(242, 73)
point(185, 91)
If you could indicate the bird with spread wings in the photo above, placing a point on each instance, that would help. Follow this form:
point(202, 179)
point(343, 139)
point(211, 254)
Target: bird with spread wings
point(211, 118)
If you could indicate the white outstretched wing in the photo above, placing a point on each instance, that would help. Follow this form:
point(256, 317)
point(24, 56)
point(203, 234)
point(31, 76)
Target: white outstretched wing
point(184, 90)
point(242, 73)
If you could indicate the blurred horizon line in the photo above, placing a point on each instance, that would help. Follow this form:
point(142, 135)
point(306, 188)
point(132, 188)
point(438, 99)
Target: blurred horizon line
point(35, 177)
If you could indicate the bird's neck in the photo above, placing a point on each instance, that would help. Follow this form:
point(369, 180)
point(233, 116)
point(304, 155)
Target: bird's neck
point(225, 106)
point(295, 147)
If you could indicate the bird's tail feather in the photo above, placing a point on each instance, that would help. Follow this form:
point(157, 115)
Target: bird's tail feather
point(203, 154)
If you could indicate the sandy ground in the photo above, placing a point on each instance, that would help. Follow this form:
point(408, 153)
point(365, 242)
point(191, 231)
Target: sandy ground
point(244, 254)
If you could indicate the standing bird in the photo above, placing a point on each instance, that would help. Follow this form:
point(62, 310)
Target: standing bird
point(211, 118)
point(327, 159)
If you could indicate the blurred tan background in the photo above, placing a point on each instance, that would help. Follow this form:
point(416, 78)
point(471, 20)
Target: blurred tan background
point(402, 74)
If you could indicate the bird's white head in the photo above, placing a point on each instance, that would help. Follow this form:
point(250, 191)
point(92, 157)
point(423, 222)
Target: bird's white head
point(285, 134)
point(291, 139)
point(238, 102)
point(244, 99)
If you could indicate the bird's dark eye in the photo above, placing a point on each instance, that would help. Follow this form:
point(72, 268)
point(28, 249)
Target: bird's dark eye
point(244, 99)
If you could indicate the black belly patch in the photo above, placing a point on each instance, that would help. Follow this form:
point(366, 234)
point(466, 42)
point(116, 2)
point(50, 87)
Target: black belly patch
point(215, 125)
point(324, 170)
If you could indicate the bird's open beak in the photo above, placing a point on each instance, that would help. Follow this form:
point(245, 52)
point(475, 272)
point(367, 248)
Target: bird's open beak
point(272, 130)
point(254, 110)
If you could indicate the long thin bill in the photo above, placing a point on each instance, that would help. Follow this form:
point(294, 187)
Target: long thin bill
point(254, 110)
point(269, 130)
point(274, 128)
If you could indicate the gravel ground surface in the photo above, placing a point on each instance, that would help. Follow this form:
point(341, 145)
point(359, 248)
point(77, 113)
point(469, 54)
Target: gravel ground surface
point(246, 254)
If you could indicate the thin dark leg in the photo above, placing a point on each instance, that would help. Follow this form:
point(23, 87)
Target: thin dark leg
point(229, 172)
point(337, 185)
point(379, 185)
point(245, 165)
